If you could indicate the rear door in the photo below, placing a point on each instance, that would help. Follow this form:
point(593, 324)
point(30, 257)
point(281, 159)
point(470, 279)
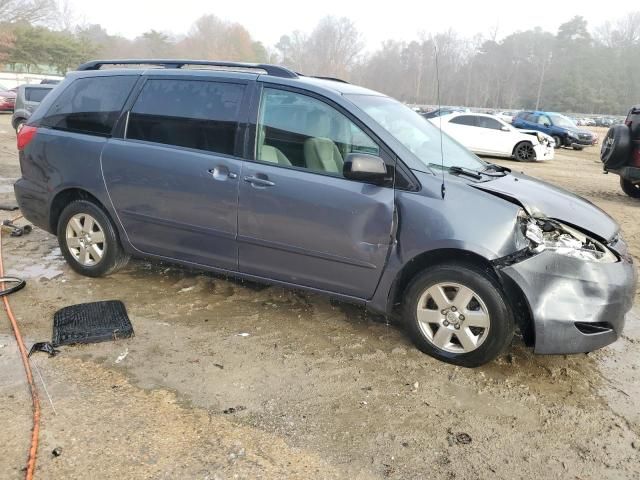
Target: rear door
point(299, 220)
point(463, 129)
point(491, 136)
point(173, 178)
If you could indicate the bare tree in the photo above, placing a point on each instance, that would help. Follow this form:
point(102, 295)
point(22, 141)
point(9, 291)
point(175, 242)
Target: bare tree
point(28, 11)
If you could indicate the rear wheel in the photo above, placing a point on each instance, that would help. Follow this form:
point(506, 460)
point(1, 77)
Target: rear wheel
point(458, 314)
point(577, 147)
point(631, 189)
point(89, 241)
point(19, 125)
point(524, 152)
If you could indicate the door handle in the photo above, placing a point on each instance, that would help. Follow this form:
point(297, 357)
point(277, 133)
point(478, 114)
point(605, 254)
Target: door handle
point(222, 173)
point(259, 182)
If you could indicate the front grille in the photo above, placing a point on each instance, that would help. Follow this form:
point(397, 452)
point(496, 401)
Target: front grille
point(590, 328)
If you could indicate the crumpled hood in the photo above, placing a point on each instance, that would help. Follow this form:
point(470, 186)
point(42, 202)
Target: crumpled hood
point(541, 198)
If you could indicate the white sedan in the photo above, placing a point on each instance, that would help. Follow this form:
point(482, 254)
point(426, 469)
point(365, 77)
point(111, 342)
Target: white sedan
point(488, 135)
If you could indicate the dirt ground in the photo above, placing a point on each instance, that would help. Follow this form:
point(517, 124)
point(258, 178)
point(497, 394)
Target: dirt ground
point(320, 389)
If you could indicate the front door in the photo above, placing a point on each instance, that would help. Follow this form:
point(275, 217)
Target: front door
point(299, 220)
point(173, 179)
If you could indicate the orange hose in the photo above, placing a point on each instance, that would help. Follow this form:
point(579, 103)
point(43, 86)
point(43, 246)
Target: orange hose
point(33, 449)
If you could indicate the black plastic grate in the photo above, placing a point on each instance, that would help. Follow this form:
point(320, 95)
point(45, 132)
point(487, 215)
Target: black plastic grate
point(91, 323)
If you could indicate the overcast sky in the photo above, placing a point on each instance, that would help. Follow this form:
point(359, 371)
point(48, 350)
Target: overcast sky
point(397, 19)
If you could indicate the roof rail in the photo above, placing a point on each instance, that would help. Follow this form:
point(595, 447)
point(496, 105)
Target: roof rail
point(275, 70)
point(333, 79)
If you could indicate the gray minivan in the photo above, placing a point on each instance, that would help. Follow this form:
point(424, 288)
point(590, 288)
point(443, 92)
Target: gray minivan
point(256, 171)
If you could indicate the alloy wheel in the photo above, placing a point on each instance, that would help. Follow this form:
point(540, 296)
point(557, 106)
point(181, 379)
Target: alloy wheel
point(525, 152)
point(85, 239)
point(453, 317)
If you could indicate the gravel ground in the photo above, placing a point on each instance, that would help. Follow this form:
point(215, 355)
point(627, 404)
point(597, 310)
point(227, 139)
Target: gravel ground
point(318, 389)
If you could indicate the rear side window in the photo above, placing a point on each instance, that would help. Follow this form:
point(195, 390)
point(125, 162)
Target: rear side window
point(90, 105)
point(188, 113)
point(486, 122)
point(35, 94)
point(469, 120)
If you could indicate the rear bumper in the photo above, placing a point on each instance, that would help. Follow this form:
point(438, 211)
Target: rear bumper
point(576, 306)
point(33, 201)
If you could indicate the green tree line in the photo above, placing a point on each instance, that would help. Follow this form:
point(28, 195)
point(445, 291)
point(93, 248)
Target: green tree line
point(576, 69)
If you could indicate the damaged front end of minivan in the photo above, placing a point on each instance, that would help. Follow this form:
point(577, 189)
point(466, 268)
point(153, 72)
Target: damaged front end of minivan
point(577, 288)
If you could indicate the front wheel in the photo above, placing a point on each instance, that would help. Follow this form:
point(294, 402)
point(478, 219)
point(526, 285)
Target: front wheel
point(458, 314)
point(578, 148)
point(524, 152)
point(558, 141)
point(89, 241)
point(631, 189)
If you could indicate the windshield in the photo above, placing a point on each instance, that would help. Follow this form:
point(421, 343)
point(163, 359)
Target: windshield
point(562, 121)
point(416, 134)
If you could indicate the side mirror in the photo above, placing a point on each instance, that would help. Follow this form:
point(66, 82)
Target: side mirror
point(547, 125)
point(505, 128)
point(366, 168)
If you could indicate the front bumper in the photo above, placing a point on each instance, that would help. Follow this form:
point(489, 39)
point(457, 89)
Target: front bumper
point(544, 152)
point(576, 306)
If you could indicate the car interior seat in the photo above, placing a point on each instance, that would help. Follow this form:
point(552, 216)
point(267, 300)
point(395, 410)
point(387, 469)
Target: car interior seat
point(320, 152)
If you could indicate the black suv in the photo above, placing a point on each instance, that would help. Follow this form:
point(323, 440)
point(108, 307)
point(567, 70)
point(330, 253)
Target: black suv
point(620, 152)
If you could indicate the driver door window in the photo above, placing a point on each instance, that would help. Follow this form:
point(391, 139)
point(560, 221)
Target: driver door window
point(544, 120)
point(296, 130)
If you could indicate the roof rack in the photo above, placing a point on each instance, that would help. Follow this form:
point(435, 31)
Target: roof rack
point(275, 70)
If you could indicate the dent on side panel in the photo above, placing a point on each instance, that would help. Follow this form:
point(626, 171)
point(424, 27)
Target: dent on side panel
point(563, 290)
point(465, 219)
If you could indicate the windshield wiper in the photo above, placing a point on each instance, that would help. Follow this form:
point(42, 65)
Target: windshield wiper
point(496, 168)
point(465, 171)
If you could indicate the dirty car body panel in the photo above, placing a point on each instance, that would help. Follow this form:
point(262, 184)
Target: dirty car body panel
point(280, 222)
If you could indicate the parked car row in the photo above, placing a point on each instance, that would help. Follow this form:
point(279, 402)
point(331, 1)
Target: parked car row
point(489, 135)
point(564, 132)
point(23, 99)
point(7, 98)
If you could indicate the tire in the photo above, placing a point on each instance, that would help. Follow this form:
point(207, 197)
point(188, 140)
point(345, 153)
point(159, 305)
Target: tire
point(615, 151)
point(19, 125)
point(631, 189)
point(89, 240)
point(483, 344)
point(524, 152)
point(558, 141)
point(578, 148)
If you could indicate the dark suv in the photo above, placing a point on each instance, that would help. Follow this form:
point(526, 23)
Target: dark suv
point(561, 128)
point(620, 152)
point(262, 173)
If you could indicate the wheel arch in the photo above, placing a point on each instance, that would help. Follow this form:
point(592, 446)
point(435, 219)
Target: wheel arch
point(64, 198)
point(514, 295)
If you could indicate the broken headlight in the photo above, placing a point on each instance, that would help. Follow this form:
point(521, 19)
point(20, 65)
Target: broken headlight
point(544, 234)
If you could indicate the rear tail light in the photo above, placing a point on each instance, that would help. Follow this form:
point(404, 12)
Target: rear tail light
point(25, 135)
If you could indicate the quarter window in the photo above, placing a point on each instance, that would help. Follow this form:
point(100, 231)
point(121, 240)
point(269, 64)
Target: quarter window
point(301, 131)
point(188, 113)
point(90, 105)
